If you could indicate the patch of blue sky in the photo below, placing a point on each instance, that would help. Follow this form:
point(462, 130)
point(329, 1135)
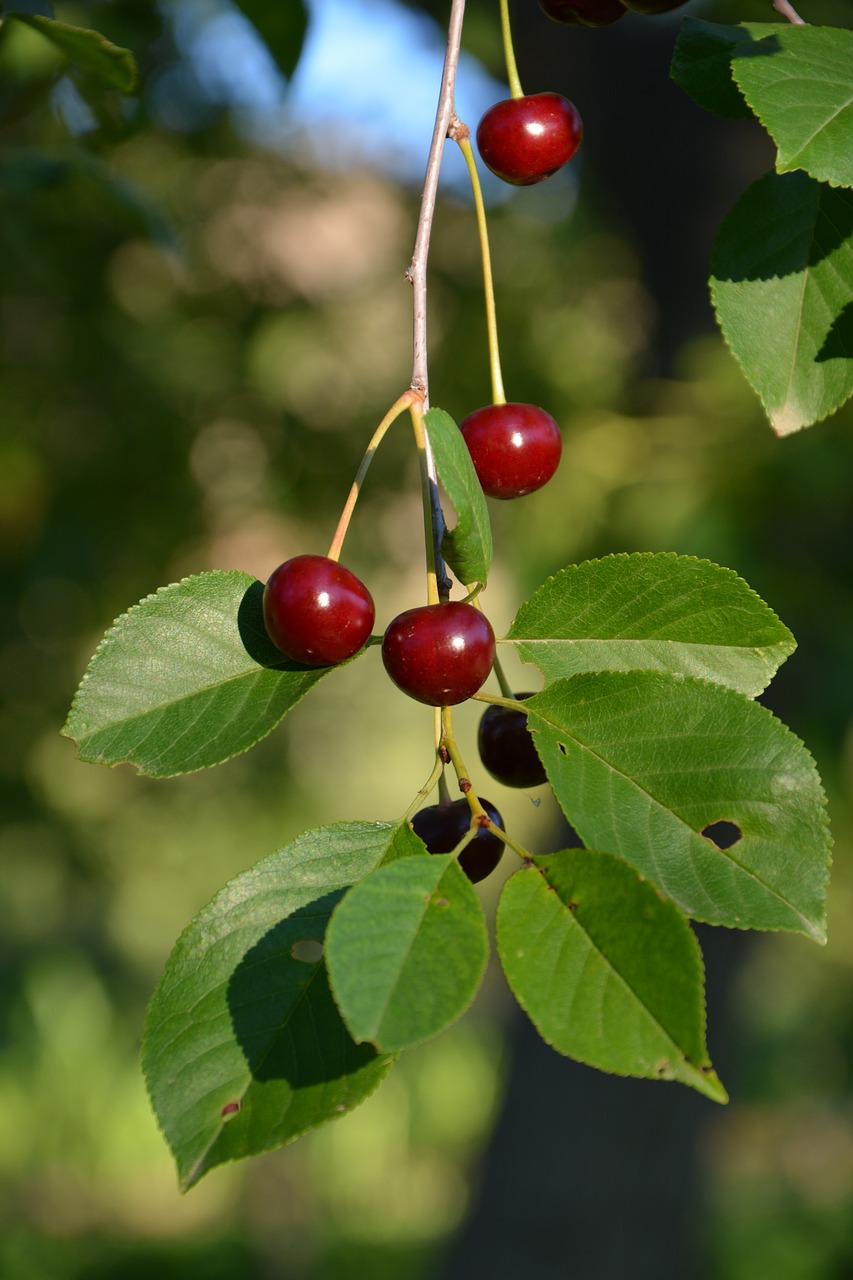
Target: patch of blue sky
point(364, 92)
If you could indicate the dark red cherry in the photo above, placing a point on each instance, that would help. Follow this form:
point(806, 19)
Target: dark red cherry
point(515, 448)
point(525, 140)
point(442, 826)
point(585, 13)
point(439, 654)
point(506, 747)
point(316, 611)
point(653, 6)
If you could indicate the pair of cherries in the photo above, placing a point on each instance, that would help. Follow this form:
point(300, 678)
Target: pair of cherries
point(602, 13)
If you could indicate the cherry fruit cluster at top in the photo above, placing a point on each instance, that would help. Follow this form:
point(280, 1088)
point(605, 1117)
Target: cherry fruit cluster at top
point(317, 612)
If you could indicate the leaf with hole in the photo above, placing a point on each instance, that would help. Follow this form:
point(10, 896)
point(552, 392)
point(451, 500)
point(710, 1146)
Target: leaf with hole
point(782, 286)
point(799, 83)
point(609, 972)
point(406, 951)
point(467, 548)
point(652, 612)
point(186, 679)
point(643, 762)
point(244, 1048)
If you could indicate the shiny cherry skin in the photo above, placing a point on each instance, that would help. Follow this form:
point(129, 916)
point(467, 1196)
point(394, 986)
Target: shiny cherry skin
point(442, 826)
point(525, 140)
point(439, 654)
point(316, 611)
point(515, 448)
point(506, 747)
point(585, 13)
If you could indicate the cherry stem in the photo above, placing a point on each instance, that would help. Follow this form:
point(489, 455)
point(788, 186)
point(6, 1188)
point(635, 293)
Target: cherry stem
point(478, 812)
point(407, 398)
point(506, 687)
point(509, 53)
point(434, 777)
point(788, 11)
point(461, 135)
point(438, 583)
point(417, 272)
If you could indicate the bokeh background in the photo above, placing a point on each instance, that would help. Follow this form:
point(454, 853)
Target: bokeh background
point(202, 317)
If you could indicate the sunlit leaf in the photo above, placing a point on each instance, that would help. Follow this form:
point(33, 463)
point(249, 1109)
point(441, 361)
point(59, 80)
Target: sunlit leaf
point(652, 612)
point(406, 951)
point(799, 82)
point(782, 285)
point(186, 679)
point(244, 1048)
point(609, 972)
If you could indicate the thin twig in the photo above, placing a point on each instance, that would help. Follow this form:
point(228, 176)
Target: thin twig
point(788, 11)
point(417, 272)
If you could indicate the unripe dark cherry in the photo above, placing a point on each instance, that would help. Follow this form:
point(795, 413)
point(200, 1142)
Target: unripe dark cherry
point(441, 827)
point(316, 611)
point(525, 140)
point(439, 654)
point(585, 13)
point(515, 448)
point(506, 747)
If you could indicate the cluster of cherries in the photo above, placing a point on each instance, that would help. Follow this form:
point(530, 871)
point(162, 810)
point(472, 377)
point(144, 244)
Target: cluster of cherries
point(317, 612)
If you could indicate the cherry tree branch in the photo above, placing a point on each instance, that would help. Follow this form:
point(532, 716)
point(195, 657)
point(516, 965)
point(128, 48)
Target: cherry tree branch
point(417, 272)
point(787, 10)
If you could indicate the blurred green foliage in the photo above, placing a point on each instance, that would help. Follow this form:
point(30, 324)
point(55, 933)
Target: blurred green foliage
point(197, 337)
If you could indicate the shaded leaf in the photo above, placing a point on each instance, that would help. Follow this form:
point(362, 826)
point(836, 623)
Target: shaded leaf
point(281, 26)
point(468, 547)
point(186, 679)
point(799, 82)
point(406, 950)
point(609, 972)
point(244, 1048)
point(782, 277)
point(652, 612)
point(702, 63)
point(87, 49)
point(643, 762)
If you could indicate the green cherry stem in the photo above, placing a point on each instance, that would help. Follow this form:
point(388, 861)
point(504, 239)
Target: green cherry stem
point(405, 400)
point(479, 817)
point(509, 53)
point(506, 687)
point(461, 134)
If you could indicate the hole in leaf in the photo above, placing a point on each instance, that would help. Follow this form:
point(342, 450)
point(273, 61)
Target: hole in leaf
point(307, 951)
point(230, 1109)
point(723, 834)
point(562, 747)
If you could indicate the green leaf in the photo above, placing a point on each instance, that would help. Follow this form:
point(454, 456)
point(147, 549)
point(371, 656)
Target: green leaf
point(782, 285)
point(702, 63)
point(244, 1048)
point(281, 26)
point(468, 547)
point(799, 82)
point(186, 679)
point(652, 612)
point(87, 49)
point(609, 972)
point(643, 762)
point(407, 949)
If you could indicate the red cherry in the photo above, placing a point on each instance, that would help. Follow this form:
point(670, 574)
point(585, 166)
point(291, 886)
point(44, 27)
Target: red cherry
point(525, 140)
point(439, 654)
point(316, 611)
point(515, 448)
point(506, 747)
point(585, 13)
point(442, 826)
